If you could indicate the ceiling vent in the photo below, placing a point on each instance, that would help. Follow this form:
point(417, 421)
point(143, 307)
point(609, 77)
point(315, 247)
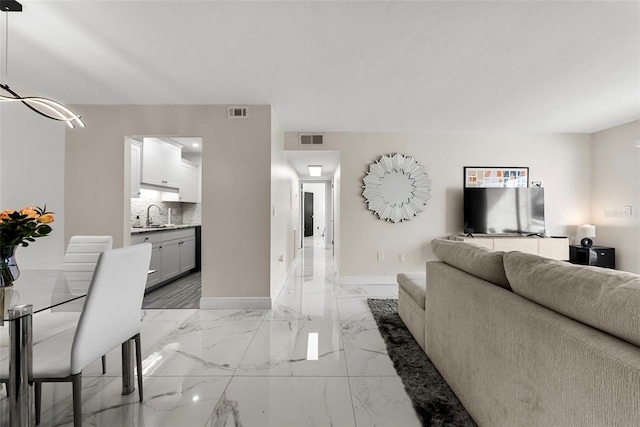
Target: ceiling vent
point(237, 113)
point(311, 139)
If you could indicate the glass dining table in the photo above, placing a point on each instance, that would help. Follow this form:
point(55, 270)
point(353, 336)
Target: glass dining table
point(39, 291)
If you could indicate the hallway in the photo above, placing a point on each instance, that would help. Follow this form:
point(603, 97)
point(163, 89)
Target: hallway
point(315, 359)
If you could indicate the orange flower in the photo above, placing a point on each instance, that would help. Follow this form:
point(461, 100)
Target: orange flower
point(46, 218)
point(5, 213)
point(29, 211)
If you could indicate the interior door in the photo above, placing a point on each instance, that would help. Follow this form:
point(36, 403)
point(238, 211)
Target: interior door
point(308, 214)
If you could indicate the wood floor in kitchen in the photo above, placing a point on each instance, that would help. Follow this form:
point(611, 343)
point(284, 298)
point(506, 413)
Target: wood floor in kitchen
point(182, 293)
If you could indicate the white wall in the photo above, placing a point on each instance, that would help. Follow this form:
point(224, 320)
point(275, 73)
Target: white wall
point(556, 159)
point(284, 210)
point(328, 201)
point(32, 173)
point(236, 193)
point(337, 224)
point(615, 183)
point(235, 204)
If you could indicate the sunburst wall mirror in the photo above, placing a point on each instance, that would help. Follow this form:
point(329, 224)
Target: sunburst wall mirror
point(396, 187)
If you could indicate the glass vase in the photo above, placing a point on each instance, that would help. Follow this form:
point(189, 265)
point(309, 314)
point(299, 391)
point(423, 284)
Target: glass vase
point(9, 270)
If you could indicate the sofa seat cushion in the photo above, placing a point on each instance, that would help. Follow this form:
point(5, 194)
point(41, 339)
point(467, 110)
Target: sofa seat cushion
point(414, 284)
point(606, 299)
point(476, 260)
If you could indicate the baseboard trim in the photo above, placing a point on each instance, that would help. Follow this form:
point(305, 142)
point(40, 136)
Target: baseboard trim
point(209, 303)
point(367, 280)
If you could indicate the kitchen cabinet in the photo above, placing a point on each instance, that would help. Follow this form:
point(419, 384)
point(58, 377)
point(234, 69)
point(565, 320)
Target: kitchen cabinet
point(188, 185)
point(170, 266)
point(188, 254)
point(173, 253)
point(161, 163)
point(156, 258)
point(156, 255)
point(136, 158)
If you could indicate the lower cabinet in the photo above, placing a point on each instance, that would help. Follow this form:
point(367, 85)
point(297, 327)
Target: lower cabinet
point(173, 252)
point(156, 259)
point(170, 259)
point(188, 254)
point(549, 247)
point(600, 256)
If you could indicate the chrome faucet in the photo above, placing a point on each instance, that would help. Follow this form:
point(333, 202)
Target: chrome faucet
point(148, 216)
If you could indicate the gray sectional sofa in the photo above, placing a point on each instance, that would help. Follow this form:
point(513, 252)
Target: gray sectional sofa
point(527, 341)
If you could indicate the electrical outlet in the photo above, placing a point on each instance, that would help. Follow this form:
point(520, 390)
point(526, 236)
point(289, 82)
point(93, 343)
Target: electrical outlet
point(380, 256)
point(627, 211)
point(403, 257)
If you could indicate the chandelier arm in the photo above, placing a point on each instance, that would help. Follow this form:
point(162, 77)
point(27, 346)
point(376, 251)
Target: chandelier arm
point(19, 98)
point(54, 106)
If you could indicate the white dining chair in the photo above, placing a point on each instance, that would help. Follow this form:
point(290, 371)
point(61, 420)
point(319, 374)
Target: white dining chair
point(80, 259)
point(78, 265)
point(110, 317)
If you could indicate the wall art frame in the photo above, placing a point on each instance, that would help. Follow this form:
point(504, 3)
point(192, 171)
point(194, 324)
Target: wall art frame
point(396, 187)
point(491, 176)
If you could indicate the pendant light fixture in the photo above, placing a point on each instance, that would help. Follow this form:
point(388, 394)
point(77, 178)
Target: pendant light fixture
point(43, 106)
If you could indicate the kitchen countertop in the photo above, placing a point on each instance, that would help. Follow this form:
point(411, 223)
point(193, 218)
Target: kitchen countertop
point(163, 228)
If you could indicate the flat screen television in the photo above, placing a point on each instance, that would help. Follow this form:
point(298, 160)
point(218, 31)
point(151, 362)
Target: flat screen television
point(504, 211)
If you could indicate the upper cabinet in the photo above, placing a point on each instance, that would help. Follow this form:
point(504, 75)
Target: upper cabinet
point(161, 163)
point(188, 189)
point(136, 158)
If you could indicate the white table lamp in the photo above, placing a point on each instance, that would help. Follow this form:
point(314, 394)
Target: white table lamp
point(585, 233)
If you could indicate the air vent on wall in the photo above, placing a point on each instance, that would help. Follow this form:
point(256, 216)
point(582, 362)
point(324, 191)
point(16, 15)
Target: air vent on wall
point(311, 139)
point(237, 112)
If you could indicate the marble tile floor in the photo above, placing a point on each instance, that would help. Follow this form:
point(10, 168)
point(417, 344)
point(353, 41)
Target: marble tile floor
point(315, 359)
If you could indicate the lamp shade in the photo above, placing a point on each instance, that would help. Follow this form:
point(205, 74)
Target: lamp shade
point(587, 230)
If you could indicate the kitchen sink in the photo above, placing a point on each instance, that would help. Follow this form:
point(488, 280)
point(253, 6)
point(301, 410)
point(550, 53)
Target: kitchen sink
point(155, 226)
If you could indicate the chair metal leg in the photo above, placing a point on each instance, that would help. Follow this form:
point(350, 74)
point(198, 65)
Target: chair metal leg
point(127, 367)
point(77, 399)
point(104, 364)
point(38, 399)
point(139, 364)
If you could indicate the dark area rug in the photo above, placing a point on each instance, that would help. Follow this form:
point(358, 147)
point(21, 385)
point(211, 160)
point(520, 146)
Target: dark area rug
point(433, 400)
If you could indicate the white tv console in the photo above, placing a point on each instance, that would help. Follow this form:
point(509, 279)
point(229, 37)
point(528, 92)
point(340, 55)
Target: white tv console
point(549, 247)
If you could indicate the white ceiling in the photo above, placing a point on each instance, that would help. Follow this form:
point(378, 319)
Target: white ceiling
point(190, 145)
point(422, 66)
point(300, 160)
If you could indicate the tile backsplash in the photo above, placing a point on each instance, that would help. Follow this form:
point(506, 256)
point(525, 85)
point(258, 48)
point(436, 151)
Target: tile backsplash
point(181, 213)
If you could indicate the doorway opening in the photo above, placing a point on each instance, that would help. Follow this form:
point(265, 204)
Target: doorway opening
point(164, 209)
point(316, 213)
point(307, 223)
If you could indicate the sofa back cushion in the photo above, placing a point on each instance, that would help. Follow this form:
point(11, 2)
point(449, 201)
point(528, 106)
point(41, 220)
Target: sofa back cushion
point(606, 299)
point(476, 260)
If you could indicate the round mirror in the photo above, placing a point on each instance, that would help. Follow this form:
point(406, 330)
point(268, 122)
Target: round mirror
point(396, 187)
